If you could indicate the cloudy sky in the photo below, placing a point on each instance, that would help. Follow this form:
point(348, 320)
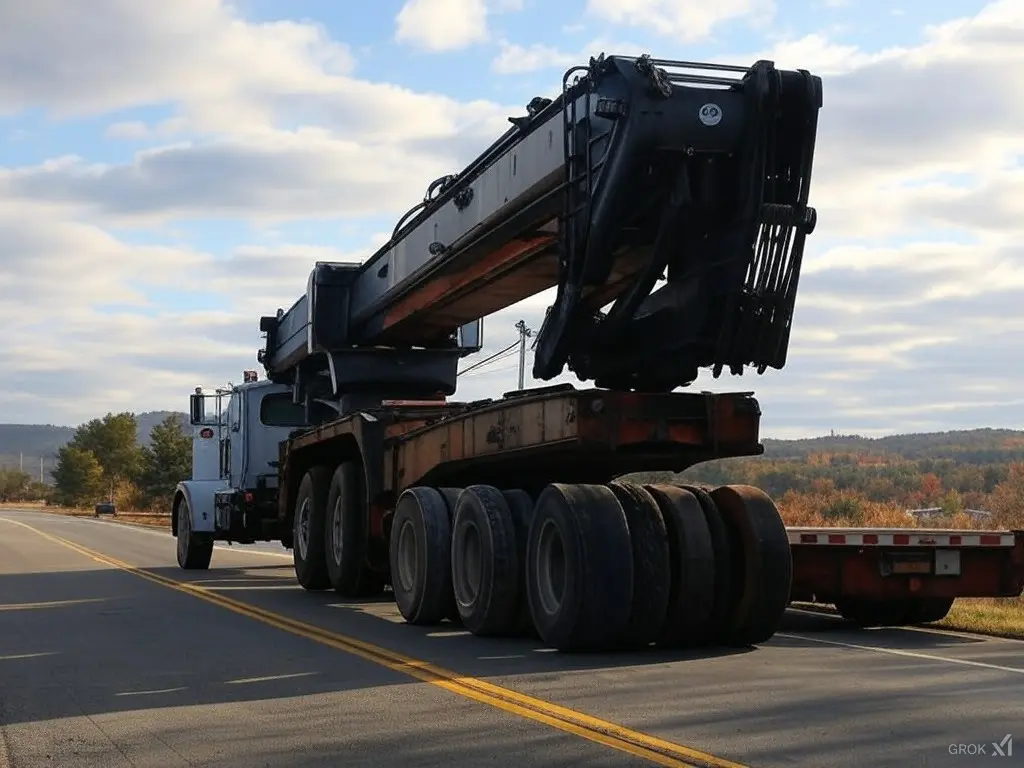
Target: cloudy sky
point(170, 171)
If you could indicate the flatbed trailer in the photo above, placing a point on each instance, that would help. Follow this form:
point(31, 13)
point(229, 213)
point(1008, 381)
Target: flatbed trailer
point(897, 576)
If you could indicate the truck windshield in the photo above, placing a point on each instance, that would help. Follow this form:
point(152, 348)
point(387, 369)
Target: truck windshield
point(278, 410)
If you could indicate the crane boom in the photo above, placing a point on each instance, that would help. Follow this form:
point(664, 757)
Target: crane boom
point(638, 173)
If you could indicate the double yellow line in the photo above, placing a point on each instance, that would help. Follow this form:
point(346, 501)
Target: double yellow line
point(609, 734)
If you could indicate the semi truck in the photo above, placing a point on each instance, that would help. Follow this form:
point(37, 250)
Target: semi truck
point(666, 203)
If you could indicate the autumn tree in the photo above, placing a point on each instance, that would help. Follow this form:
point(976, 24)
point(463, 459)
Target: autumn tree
point(113, 441)
point(78, 477)
point(14, 485)
point(166, 462)
point(1007, 498)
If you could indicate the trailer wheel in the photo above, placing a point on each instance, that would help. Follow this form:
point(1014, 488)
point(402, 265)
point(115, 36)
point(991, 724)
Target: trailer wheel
point(195, 550)
point(652, 564)
point(692, 585)
point(345, 534)
point(726, 587)
point(520, 505)
point(420, 556)
point(309, 526)
point(579, 567)
point(485, 562)
point(925, 610)
point(764, 564)
point(451, 498)
point(867, 612)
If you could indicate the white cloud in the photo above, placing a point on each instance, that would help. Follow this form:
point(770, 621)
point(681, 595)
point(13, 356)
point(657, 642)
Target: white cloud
point(301, 174)
point(683, 20)
point(442, 25)
point(514, 59)
point(110, 54)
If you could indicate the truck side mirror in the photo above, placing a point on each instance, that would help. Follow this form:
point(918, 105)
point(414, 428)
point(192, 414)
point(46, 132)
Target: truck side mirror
point(470, 337)
point(196, 409)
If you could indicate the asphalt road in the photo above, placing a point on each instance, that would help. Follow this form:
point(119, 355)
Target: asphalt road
point(106, 661)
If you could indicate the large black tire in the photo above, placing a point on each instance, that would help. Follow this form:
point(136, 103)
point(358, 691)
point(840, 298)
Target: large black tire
point(520, 505)
point(346, 536)
point(194, 549)
point(727, 593)
point(763, 562)
point(420, 556)
point(308, 525)
point(692, 587)
point(485, 562)
point(652, 568)
point(579, 567)
point(451, 498)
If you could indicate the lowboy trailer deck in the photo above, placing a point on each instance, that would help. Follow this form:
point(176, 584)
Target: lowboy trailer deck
point(671, 564)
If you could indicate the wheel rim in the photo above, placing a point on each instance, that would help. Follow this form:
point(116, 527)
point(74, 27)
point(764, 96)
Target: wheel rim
point(336, 542)
point(407, 556)
point(550, 568)
point(469, 559)
point(302, 528)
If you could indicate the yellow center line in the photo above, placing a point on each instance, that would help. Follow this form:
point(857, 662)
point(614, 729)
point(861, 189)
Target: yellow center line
point(658, 751)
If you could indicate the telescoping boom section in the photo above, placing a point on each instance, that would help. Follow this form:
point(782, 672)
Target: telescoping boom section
point(665, 201)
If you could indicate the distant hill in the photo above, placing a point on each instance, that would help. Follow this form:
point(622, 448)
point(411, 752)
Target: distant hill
point(974, 446)
point(26, 444)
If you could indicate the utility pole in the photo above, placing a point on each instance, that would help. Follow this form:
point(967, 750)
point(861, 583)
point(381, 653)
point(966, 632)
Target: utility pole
point(40, 469)
point(524, 334)
point(21, 461)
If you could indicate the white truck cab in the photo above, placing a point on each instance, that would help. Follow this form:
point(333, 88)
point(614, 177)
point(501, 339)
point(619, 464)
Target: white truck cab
point(236, 434)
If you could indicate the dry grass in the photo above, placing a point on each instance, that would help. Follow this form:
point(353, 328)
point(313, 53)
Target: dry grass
point(990, 616)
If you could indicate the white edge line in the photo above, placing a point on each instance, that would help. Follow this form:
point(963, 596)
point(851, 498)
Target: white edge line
point(928, 630)
point(267, 678)
point(900, 652)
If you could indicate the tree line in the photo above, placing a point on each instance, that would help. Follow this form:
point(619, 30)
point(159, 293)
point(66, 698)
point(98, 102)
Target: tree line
point(16, 485)
point(850, 488)
point(825, 481)
point(104, 460)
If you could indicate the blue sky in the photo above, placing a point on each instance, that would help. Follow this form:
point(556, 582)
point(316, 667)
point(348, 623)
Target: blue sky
point(170, 173)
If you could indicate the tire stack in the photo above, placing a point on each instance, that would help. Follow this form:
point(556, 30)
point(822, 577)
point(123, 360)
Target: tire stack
point(594, 567)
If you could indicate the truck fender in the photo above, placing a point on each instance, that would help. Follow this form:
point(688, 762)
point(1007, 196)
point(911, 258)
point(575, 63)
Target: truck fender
point(198, 494)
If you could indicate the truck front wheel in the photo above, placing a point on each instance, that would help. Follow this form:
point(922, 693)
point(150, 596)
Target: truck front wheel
point(309, 524)
point(194, 549)
point(345, 535)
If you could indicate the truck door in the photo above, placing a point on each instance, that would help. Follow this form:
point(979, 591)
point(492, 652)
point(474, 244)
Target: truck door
point(234, 437)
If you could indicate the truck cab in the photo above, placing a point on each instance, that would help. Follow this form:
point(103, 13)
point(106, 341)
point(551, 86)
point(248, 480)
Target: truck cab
point(236, 434)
